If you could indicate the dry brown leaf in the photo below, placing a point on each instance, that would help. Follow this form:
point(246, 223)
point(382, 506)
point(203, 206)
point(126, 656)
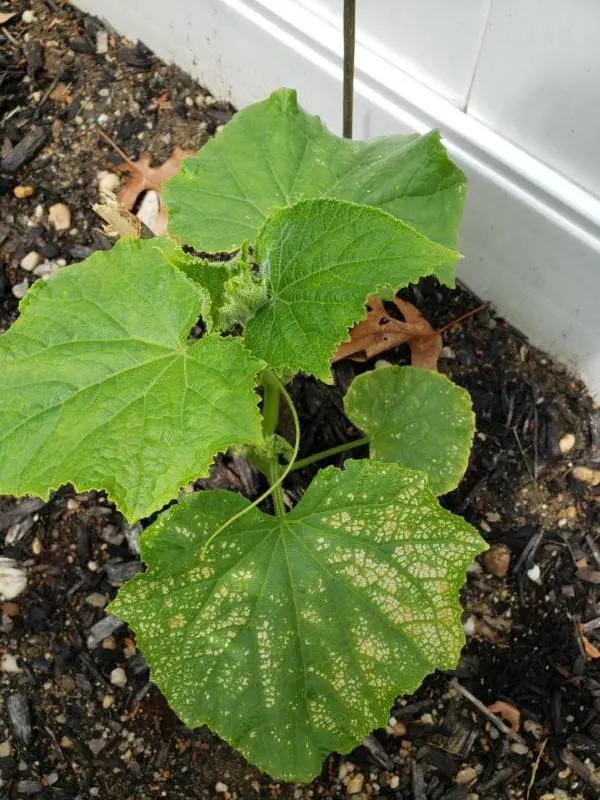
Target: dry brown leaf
point(5, 16)
point(508, 712)
point(147, 178)
point(591, 651)
point(380, 332)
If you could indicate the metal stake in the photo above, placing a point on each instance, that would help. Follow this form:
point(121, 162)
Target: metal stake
point(349, 39)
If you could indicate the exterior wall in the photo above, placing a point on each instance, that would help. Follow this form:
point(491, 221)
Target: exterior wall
point(531, 232)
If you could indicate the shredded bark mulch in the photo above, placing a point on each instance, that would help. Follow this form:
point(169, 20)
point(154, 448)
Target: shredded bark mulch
point(79, 717)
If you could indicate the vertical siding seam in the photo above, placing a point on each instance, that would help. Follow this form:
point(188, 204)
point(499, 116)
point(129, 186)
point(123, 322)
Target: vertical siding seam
point(484, 28)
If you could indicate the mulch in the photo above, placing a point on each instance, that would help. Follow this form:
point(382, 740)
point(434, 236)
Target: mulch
point(80, 717)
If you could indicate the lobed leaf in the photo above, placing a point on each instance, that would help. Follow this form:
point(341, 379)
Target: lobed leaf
point(292, 636)
point(320, 259)
point(272, 154)
point(417, 418)
point(99, 388)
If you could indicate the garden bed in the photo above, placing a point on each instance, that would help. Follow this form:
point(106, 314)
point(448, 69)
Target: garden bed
point(80, 717)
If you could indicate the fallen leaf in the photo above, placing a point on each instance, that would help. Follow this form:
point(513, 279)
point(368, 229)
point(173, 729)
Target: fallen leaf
point(5, 16)
point(508, 712)
point(380, 332)
point(146, 178)
point(591, 650)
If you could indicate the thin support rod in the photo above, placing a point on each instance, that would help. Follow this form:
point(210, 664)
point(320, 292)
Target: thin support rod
point(349, 39)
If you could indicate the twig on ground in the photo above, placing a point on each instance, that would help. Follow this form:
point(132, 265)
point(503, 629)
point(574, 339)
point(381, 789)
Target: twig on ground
point(493, 718)
point(535, 767)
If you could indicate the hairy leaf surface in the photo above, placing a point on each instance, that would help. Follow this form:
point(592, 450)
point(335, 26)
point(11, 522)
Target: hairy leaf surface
point(273, 153)
point(320, 260)
point(99, 388)
point(292, 635)
point(416, 417)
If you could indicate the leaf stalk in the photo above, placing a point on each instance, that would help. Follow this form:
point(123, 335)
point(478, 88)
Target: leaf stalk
point(333, 451)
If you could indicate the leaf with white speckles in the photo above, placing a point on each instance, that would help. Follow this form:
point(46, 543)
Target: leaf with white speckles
point(99, 387)
point(273, 153)
point(320, 260)
point(292, 636)
point(416, 417)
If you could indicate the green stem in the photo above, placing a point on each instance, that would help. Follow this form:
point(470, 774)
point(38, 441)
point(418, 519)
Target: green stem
point(271, 393)
point(333, 451)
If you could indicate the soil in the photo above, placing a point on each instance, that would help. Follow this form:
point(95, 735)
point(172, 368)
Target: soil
point(72, 727)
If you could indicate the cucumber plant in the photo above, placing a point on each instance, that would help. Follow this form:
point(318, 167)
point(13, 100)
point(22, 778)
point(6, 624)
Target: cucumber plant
point(289, 632)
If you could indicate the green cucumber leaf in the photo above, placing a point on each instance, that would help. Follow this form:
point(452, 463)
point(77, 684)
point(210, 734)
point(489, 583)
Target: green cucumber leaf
point(99, 388)
point(417, 418)
point(210, 277)
point(292, 635)
point(273, 153)
point(320, 260)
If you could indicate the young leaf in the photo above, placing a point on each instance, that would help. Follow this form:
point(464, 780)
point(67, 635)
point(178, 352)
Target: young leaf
point(99, 388)
point(293, 634)
point(320, 260)
point(417, 418)
point(273, 153)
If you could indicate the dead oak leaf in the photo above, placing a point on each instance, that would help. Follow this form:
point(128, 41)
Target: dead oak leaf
point(508, 712)
point(145, 178)
point(380, 332)
point(6, 16)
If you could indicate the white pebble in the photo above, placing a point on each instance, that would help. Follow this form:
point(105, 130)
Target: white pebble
point(19, 290)
point(108, 182)
point(394, 782)
point(28, 17)
point(8, 663)
point(382, 363)
point(13, 579)
point(60, 217)
point(221, 787)
point(534, 574)
point(118, 677)
point(566, 443)
point(469, 626)
point(101, 42)
point(30, 261)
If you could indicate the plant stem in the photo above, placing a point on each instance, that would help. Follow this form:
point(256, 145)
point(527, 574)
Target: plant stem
point(341, 448)
point(349, 39)
point(271, 394)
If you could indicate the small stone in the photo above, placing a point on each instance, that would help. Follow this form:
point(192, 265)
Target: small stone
point(110, 643)
point(394, 782)
point(36, 547)
point(60, 217)
point(30, 261)
point(8, 663)
point(189, 101)
point(101, 42)
point(221, 787)
point(21, 192)
point(587, 475)
point(28, 17)
point(534, 573)
point(466, 775)
point(568, 514)
point(382, 363)
point(19, 290)
point(29, 787)
point(496, 560)
point(493, 516)
point(519, 749)
point(108, 701)
point(566, 443)
point(96, 599)
point(103, 628)
point(355, 784)
point(52, 778)
point(96, 745)
point(5, 748)
point(118, 677)
point(108, 182)
point(66, 743)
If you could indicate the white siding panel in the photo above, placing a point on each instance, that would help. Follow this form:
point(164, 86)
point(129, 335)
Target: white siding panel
point(538, 82)
point(435, 42)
